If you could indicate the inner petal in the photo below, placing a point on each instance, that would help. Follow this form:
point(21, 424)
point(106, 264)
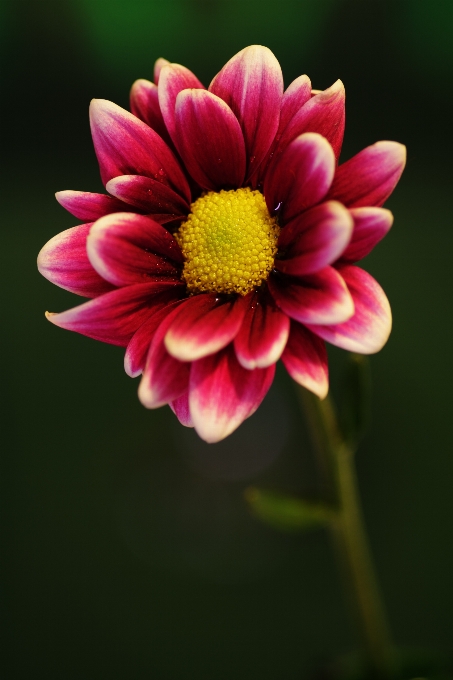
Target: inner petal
point(229, 242)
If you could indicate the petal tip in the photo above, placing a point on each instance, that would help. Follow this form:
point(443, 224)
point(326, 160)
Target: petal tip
point(128, 368)
point(397, 150)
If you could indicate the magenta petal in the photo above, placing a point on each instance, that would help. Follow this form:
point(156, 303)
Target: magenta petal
point(324, 113)
point(316, 238)
point(125, 145)
point(369, 178)
point(158, 66)
point(209, 139)
point(300, 177)
point(321, 298)
point(251, 83)
point(87, 206)
point(203, 325)
point(115, 316)
point(164, 378)
point(370, 226)
point(171, 221)
point(125, 249)
point(223, 394)
point(305, 359)
point(64, 262)
point(180, 408)
point(147, 195)
point(138, 347)
point(368, 330)
point(173, 79)
point(144, 101)
point(263, 334)
point(294, 97)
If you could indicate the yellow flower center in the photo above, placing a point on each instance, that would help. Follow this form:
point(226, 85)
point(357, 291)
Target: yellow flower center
point(229, 242)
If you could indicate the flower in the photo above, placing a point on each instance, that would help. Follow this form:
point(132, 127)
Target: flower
point(227, 239)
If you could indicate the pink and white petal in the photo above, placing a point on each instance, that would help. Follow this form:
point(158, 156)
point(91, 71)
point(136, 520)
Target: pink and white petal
point(370, 227)
point(300, 177)
point(318, 238)
point(263, 334)
point(164, 377)
point(209, 139)
point(144, 102)
point(251, 83)
point(321, 298)
point(222, 394)
point(147, 195)
point(125, 249)
point(180, 408)
point(305, 359)
point(294, 97)
point(158, 66)
point(204, 325)
point(173, 79)
point(125, 145)
point(64, 262)
point(115, 316)
point(368, 330)
point(138, 347)
point(324, 113)
point(87, 206)
point(369, 178)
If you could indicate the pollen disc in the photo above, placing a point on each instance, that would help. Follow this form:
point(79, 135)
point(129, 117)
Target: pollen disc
point(229, 242)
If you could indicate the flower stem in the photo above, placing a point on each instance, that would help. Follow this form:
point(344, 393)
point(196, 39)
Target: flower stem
point(336, 460)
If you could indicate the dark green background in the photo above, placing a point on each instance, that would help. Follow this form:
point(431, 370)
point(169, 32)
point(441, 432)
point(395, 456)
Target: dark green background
point(128, 551)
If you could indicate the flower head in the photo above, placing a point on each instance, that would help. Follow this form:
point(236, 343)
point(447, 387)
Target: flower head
point(227, 239)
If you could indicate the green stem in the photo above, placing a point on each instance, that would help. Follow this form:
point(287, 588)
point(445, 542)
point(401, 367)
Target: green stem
point(337, 463)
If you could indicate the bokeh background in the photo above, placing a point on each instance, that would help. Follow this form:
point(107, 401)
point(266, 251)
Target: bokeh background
point(128, 549)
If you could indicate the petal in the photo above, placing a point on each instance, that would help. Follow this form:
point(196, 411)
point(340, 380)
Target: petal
point(147, 195)
point(209, 139)
point(64, 262)
point(172, 79)
point(300, 177)
point(158, 66)
point(223, 394)
point(370, 226)
point(164, 378)
point(369, 178)
point(294, 97)
point(87, 206)
point(320, 298)
point(125, 249)
point(317, 238)
point(263, 334)
point(138, 347)
point(305, 359)
point(180, 408)
point(115, 316)
point(324, 113)
point(125, 145)
point(251, 83)
point(144, 101)
point(368, 330)
point(172, 222)
point(204, 325)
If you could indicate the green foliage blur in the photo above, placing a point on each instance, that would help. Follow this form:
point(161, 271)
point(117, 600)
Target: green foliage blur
point(128, 548)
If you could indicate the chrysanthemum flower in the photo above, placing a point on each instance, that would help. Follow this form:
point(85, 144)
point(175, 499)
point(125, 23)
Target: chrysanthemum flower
point(227, 239)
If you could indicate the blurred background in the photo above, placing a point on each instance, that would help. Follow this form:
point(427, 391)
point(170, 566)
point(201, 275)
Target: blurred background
point(128, 549)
